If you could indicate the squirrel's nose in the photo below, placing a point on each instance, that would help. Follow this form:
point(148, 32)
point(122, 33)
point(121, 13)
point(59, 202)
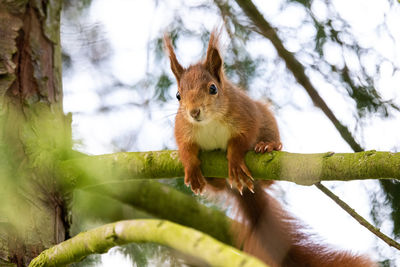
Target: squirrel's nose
point(195, 113)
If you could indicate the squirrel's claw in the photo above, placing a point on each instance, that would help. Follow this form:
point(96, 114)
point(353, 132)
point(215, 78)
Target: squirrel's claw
point(240, 175)
point(196, 181)
point(262, 147)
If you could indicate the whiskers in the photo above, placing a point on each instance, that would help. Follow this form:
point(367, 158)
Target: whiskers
point(166, 115)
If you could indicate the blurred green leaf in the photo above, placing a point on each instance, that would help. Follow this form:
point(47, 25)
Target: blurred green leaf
point(162, 88)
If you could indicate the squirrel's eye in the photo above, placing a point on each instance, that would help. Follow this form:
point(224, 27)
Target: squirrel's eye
point(178, 96)
point(213, 89)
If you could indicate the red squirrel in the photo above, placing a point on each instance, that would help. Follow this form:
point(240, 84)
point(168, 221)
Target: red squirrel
point(215, 114)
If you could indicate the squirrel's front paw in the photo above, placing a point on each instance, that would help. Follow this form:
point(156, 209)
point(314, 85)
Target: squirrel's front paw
point(239, 174)
point(195, 179)
point(262, 147)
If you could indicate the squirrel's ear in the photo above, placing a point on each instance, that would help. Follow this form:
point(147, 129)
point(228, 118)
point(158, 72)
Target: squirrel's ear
point(176, 68)
point(213, 61)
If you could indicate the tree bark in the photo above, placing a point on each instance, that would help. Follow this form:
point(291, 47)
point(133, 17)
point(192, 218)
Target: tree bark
point(34, 131)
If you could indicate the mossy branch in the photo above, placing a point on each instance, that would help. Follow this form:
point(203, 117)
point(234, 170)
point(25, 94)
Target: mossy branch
point(183, 239)
point(112, 172)
point(303, 169)
point(167, 203)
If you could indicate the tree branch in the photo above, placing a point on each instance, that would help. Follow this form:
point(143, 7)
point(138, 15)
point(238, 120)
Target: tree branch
point(183, 239)
point(358, 217)
point(167, 203)
point(266, 30)
point(303, 169)
point(110, 171)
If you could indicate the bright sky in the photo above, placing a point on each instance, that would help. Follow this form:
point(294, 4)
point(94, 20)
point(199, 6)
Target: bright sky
point(128, 25)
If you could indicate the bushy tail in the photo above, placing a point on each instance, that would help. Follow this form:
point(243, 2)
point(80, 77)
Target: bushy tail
point(269, 233)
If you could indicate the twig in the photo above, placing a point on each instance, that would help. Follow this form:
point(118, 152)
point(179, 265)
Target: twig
point(358, 217)
point(298, 70)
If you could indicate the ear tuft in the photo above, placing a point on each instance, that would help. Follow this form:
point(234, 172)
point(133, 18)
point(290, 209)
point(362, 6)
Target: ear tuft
point(213, 62)
point(176, 68)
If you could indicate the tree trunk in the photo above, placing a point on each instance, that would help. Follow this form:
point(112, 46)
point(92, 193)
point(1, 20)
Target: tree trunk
point(34, 131)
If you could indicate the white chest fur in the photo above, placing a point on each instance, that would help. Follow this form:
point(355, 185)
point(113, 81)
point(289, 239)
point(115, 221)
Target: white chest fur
point(212, 135)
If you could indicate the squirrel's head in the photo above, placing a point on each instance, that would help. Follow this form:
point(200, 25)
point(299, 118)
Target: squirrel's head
point(200, 86)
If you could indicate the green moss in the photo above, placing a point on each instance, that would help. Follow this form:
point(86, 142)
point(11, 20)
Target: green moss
point(5, 82)
point(167, 203)
point(17, 6)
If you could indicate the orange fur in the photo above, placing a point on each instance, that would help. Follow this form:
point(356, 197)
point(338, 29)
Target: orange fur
point(228, 119)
